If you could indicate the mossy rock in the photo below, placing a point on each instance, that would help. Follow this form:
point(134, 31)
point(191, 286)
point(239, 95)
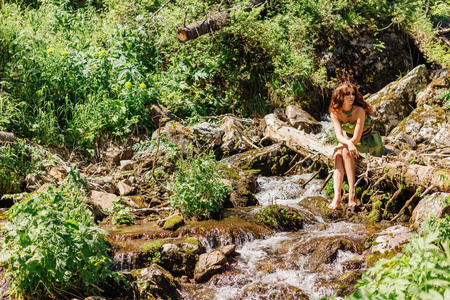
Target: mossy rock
point(319, 206)
point(173, 223)
point(346, 283)
point(373, 257)
point(280, 217)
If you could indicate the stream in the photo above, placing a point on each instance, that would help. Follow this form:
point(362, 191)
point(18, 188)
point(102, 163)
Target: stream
point(273, 268)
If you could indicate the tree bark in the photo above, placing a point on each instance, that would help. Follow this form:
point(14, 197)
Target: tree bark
point(395, 170)
point(211, 23)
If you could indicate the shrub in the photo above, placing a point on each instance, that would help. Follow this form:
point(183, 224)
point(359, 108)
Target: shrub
point(196, 188)
point(281, 217)
point(52, 247)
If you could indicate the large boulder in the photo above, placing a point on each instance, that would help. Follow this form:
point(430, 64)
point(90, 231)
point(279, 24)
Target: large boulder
point(432, 205)
point(431, 95)
point(396, 101)
point(422, 125)
point(244, 185)
point(302, 120)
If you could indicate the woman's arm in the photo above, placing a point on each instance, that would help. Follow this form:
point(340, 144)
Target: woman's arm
point(359, 127)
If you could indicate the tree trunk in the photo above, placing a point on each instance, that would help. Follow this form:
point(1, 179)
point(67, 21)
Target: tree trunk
point(211, 23)
point(395, 170)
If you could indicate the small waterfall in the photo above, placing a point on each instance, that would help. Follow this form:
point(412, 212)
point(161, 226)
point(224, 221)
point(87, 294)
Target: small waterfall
point(278, 266)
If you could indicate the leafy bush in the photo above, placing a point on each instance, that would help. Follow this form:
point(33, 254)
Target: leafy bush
point(281, 217)
point(52, 247)
point(196, 188)
point(422, 272)
point(120, 213)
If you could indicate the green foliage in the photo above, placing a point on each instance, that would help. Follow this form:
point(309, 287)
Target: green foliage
point(52, 246)
point(120, 213)
point(446, 97)
point(196, 188)
point(71, 73)
point(422, 272)
point(17, 160)
point(153, 251)
point(281, 217)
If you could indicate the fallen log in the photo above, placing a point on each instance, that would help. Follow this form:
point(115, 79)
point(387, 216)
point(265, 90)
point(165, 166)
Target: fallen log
point(399, 172)
point(210, 24)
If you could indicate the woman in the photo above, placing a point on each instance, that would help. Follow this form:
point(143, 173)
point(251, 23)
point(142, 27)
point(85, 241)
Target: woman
point(351, 113)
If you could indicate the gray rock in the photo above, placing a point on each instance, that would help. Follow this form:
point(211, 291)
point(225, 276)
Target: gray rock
point(422, 125)
point(233, 137)
point(432, 205)
point(395, 101)
point(302, 120)
point(391, 239)
point(102, 200)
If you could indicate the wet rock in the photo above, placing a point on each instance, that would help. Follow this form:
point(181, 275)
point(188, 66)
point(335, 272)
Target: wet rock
point(422, 125)
point(431, 95)
point(244, 184)
point(319, 206)
point(228, 250)
point(208, 265)
point(356, 262)
point(259, 290)
point(173, 222)
point(211, 132)
point(388, 243)
point(301, 120)
point(327, 250)
point(395, 101)
point(157, 282)
point(270, 160)
point(234, 139)
point(432, 205)
point(280, 217)
point(346, 283)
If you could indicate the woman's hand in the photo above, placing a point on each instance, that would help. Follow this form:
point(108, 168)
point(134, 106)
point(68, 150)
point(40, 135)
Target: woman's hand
point(331, 156)
point(352, 149)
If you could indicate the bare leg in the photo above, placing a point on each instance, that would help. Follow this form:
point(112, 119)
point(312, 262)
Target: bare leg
point(349, 164)
point(338, 178)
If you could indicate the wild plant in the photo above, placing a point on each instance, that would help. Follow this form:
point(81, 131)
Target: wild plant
point(196, 189)
point(52, 247)
point(120, 214)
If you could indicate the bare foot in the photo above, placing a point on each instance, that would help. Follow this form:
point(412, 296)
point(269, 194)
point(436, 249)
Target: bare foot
point(352, 199)
point(335, 204)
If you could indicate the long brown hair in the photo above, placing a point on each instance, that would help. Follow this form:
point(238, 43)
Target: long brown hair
point(337, 99)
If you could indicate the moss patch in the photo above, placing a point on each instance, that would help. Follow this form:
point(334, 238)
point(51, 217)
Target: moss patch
point(173, 223)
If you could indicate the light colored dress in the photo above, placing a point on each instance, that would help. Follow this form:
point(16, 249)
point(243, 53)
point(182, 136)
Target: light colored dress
point(370, 142)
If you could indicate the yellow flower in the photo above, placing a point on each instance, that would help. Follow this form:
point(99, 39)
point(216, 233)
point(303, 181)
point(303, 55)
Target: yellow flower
point(103, 51)
point(49, 50)
point(128, 84)
point(142, 86)
point(64, 52)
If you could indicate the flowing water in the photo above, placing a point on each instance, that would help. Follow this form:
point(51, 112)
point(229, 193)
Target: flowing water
point(273, 268)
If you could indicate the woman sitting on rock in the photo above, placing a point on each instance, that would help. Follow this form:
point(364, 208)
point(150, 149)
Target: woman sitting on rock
point(351, 113)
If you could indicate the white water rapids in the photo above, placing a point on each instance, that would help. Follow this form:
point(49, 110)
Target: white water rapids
point(266, 268)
